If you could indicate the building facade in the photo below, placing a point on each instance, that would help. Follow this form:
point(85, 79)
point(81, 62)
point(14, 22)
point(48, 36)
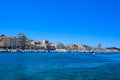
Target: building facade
point(21, 41)
point(8, 42)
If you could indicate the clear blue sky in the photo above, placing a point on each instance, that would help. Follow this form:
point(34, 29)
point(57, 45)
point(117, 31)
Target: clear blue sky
point(67, 21)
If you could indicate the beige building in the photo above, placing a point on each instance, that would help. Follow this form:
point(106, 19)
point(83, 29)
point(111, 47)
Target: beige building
point(1, 43)
point(8, 42)
point(30, 44)
point(59, 45)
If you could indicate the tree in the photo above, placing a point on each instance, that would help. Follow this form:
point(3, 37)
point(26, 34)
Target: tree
point(2, 35)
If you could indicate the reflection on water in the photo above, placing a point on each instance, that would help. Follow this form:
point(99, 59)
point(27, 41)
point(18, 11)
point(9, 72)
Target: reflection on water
point(59, 66)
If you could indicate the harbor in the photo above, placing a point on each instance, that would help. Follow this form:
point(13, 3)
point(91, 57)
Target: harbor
point(59, 66)
point(21, 43)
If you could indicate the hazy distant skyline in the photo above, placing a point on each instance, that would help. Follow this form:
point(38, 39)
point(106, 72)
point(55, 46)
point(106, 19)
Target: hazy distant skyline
point(69, 21)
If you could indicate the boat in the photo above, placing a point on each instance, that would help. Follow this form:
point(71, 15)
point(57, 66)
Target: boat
point(92, 52)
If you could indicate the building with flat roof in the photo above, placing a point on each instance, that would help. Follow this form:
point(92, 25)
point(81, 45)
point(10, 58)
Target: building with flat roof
point(8, 42)
point(21, 41)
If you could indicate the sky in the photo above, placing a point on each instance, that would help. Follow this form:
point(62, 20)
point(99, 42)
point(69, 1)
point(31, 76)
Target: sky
point(68, 21)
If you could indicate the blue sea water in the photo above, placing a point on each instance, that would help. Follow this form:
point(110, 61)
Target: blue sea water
point(59, 66)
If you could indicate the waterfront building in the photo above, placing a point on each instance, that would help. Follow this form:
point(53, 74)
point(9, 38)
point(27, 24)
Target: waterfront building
point(30, 44)
point(8, 42)
point(21, 41)
point(38, 45)
point(99, 46)
point(51, 46)
point(1, 43)
point(84, 48)
point(47, 45)
point(59, 45)
point(14, 42)
point(81, 47)
point(71, 47)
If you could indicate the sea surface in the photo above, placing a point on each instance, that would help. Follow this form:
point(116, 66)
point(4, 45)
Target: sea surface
point(59, 66)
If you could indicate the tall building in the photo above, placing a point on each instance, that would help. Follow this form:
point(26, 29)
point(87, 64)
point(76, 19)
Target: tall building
point(14, 42)
point(21, 41)
point(99, 46)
